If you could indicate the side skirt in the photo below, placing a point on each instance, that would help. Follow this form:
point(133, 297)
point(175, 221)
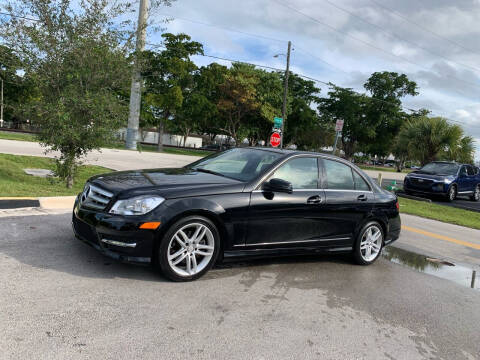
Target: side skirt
point(278, 252)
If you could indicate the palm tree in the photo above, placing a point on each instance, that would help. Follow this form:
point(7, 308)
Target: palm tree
point(433, 138)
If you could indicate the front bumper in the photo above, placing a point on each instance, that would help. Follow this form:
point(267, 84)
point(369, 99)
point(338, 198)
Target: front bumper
point(115, 236)
point(435, 188)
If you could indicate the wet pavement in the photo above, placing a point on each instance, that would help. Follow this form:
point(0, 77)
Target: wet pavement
point(61, 299)
point(463, 275)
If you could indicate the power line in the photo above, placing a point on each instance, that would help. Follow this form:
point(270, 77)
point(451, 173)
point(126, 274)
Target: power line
point(255, 36)
point(404, 18)
point(19, 17)
point(225, 28)
point(393, 35)
point(364, 42)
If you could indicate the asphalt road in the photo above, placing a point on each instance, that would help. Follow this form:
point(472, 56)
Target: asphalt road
point(60, 299)
point(461, 202)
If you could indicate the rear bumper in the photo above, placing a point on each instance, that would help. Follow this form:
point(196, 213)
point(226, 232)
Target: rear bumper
point(394, 228)
point(116, 237)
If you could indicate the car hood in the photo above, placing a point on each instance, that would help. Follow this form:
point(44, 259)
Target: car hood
point(430, 176)
point(168, 183)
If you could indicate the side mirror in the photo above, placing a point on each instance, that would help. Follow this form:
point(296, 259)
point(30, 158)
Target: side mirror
point(278, 185)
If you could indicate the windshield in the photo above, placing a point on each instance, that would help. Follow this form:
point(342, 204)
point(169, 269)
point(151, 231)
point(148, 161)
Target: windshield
point(239, 164)
point(440, 169)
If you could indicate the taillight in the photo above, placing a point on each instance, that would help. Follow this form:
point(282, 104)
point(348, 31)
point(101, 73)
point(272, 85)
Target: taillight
point(397, 205)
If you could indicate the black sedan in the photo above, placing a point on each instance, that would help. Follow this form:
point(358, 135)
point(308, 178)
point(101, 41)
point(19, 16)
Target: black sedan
point(241, 202)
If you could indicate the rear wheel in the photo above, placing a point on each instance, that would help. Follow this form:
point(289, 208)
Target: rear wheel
point(189, 249)
point(369, 244)
point(476, 194)
point(452, 193)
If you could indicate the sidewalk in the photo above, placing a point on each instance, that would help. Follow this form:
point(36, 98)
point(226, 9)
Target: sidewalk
point(110, 158)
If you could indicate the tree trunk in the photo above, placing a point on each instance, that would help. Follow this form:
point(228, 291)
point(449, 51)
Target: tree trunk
point(70, 181)
point(160, 136)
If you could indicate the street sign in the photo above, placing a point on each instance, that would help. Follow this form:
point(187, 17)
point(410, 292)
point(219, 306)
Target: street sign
point(339, 125)
point(277, 123)
point(275, 139)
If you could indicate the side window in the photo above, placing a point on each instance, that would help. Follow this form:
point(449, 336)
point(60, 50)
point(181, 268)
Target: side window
point(470, 170)
point(339, 176)
point(301, 172)
point(463, 170)
point(360, 183)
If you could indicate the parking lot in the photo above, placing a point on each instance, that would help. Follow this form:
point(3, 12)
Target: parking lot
point(61, 299)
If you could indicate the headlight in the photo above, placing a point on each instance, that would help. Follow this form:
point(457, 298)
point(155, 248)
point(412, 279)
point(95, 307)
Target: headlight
point(136, 206)
point(447, 181)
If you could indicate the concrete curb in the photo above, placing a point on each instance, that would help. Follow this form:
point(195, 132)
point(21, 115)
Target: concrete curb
point(43, 203)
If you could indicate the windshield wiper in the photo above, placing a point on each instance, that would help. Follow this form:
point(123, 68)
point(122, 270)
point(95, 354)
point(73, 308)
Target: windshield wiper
point(208, 171)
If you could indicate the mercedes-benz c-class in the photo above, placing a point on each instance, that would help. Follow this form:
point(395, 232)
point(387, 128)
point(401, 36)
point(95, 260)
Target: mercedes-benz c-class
point(237, 203)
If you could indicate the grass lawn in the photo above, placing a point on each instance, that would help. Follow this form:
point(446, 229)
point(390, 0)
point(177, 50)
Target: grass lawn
point(382, 168)
point(14, 182)
point(443, 213)
point(10, 135)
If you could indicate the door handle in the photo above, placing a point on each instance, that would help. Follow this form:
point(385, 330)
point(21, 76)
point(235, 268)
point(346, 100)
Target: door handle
point(362, 197)
point(316, 199)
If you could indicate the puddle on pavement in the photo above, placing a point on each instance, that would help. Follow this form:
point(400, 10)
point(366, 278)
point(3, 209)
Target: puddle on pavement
point(443, 269)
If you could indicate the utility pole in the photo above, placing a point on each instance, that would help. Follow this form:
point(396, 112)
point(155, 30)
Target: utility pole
point(285, 93)
point(136, 87)
point(1, 104)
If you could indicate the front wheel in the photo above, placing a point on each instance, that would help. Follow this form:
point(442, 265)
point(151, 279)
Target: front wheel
point(476, 194)
point(369, 244)
point(452, 193)
point(189, 249)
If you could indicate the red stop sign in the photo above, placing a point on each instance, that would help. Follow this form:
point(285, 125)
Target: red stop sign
point(275, 139)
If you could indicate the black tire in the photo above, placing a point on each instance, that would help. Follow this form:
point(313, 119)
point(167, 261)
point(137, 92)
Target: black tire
point(357, 253)
point(452, 193)
point(162, 261)
point(476, 194)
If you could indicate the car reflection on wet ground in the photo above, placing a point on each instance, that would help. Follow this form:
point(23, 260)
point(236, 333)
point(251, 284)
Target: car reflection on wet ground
point(459, 274)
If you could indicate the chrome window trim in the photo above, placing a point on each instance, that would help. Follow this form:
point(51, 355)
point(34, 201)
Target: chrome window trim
point(294, 242)
point(280, 164)
point(315, 156)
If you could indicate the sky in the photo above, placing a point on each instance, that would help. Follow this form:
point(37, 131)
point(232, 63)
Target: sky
point(434, 42)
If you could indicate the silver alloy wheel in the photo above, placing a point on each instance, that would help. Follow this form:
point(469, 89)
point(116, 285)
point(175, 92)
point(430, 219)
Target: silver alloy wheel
point(190, 249)
point(451, 193)
point(371, 243)
point(477, 193)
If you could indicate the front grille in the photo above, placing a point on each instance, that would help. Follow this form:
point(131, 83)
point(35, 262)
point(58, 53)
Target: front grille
point(95, 198)
point(421, 183)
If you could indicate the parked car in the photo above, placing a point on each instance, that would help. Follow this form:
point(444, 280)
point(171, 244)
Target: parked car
point(216, 147)
point(446, 179)
point(241, 202)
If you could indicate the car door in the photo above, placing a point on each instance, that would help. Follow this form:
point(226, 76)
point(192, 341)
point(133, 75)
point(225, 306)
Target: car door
point(283, 219)
point(348, 199)
point(464, 181)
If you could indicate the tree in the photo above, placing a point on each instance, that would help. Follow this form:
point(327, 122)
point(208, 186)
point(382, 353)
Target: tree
point(269, 92)
point(433, 138)
point(207, 85)
point(76, 58)
point(18, 89)
point(169, 77)
point(351, 107)
point(303, 126)
point(385, 111)
point(238, 99)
